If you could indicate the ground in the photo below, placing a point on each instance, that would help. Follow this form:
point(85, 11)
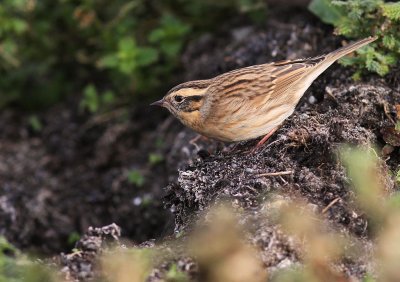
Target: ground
point(74, 173)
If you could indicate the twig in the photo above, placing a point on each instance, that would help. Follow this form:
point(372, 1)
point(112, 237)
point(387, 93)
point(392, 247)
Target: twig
point(276, 173)
point(387, 113)
point(330, 205)
point(270, 144)
point(328, 91)
point(283, 180)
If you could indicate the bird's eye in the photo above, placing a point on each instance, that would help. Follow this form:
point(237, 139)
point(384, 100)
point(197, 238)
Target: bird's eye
point(178, 99)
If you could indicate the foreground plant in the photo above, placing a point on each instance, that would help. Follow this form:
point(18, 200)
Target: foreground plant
point(16, 267)
point(367, 173)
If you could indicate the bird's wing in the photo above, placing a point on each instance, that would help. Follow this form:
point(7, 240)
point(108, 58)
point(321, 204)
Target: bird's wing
point(249, 89)
point(287, 74)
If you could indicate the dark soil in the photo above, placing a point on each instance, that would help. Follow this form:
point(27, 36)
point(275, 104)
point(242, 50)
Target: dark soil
point(74, 173)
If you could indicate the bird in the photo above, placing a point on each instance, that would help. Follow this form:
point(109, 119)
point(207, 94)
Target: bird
point(249, 102)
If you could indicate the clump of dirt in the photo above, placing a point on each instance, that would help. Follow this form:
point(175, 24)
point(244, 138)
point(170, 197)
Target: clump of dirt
point(81, 264)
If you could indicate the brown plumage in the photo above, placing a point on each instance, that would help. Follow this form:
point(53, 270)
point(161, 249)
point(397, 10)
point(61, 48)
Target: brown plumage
point(249, 102)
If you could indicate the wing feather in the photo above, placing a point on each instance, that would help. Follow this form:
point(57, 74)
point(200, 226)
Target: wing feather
point(253, 87)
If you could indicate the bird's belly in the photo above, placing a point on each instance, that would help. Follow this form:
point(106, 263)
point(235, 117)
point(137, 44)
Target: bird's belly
point(250, 126)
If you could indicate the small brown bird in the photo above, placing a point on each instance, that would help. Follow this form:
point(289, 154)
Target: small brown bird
point(249, 102)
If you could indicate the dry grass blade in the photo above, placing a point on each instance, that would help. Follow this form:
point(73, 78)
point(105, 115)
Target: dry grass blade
point(330, 205)
point(221, 252)
point(287, 172)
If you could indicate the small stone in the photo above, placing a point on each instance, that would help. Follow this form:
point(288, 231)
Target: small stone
point(284, 263)
point(312, 99)
point(137, 201)
point(387, 150)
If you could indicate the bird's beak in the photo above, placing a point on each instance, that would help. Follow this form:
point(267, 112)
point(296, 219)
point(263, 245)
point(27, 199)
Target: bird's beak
point(158, 103)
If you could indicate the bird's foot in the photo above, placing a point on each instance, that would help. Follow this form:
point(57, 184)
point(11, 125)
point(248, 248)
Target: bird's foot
point(263, 140)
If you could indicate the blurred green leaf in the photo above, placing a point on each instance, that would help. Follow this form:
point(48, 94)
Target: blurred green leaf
point(155, 158)
point(108, 61)
point(90, 99)
point(73, 237)
point(398, 177)
point(397, 125)
point(326, 11)
point(35, 123)
point(159, 142)
point(135, 177)
point(14, 267)
point(6, 247)
point(175, 275)
point(369, 278)
point(146, 56)
point(19, 26)
point(392, 10)
point(365, 175)
point(389, 41)
point(169, 35)
point(108, 97)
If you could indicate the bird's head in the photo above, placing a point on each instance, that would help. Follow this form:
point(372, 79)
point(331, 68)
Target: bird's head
point(185, 100)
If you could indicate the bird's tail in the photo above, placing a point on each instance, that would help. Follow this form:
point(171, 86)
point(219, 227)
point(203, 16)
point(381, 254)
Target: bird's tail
point(337, 54)
point(331, 57)
point(326, 60)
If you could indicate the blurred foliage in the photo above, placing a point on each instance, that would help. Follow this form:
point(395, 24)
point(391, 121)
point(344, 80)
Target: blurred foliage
point(221, 252)
point(73, 237)
point(136, 177)
point(383, 210)
point(360, 19)
point(398, 177)
point(105, 49)
point(175, 275)
point(34, 123)
point(368, 178)
point(322, 248)
point(155, 158)
point(132, 265)
point(319, 248)
point(15, 267)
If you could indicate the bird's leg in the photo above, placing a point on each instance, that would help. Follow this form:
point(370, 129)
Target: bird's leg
point(234, 146)
point(197, 138)
point(265, 138)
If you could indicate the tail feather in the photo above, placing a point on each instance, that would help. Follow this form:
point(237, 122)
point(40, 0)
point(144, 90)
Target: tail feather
point(337, 54)
point(330, 58)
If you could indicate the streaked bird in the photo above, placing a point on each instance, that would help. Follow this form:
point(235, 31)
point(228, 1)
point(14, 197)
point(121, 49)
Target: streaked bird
point(249, 102)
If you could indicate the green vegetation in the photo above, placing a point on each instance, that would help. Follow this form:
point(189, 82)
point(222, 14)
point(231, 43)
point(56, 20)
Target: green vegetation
point(73, 237)
point(175, 275)
point(35, 123)
point(398, 177)
point(14, 267)
point(155, 158)
point(109, 51)
point(359, 19)
point(136, 177)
